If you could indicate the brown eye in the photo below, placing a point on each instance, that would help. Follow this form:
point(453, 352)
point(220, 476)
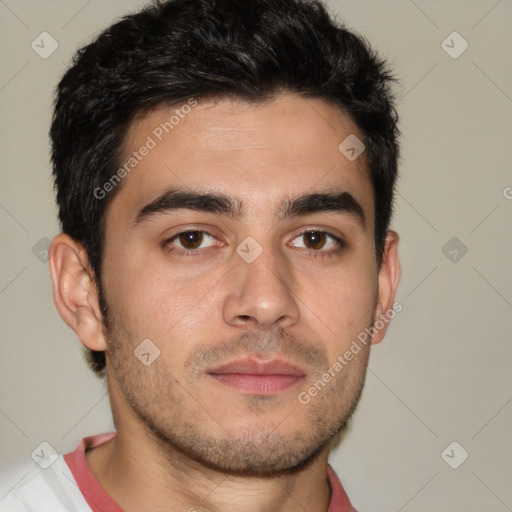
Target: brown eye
point(190, 239)
point(314, 239)
point(189, 242)
point(317, 240)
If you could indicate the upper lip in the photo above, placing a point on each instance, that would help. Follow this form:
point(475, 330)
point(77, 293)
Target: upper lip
point(254, 366)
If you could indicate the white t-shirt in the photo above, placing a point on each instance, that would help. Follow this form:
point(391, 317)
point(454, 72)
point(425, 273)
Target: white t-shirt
point(45, 490)
point(57, 483)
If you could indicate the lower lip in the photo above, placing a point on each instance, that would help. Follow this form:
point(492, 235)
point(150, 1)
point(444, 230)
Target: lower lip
point(256, 383)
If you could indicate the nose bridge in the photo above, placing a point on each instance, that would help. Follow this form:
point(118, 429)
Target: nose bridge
point(261, 287)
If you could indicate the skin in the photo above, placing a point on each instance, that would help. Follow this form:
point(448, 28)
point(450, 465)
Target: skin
point(175, 424)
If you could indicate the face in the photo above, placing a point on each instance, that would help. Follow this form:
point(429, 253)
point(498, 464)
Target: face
point(274, 288)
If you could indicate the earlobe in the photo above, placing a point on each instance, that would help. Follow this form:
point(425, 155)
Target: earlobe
point(388, 279)
point(74, 291)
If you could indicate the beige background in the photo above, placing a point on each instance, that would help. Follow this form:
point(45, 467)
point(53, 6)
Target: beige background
point(443, 372)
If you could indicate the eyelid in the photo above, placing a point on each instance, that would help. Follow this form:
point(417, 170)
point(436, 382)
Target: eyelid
point(201, 228)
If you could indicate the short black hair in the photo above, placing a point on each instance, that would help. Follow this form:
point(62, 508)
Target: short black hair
point(173, 51)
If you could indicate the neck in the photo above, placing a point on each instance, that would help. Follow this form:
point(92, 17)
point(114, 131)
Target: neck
point(147, 478)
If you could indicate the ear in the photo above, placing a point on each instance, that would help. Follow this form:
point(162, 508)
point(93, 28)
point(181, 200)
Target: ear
point(74, 291)
point(388, 279)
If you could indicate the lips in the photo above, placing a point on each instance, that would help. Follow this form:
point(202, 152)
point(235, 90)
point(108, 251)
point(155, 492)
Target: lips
point(254, 376)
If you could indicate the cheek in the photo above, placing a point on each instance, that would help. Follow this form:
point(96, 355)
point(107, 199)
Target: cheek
point(345, 304)
point(159, 302)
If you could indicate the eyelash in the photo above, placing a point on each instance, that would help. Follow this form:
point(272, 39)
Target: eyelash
point(314, 254)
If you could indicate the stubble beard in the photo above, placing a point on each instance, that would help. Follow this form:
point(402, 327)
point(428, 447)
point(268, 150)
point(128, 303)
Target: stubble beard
point(182, 425)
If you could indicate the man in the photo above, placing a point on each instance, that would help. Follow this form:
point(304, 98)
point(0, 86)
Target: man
point(225, 174)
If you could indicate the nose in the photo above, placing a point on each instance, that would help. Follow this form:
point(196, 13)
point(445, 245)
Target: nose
point(261, 293)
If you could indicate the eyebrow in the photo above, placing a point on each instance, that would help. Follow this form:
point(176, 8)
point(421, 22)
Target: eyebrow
point(220, 204)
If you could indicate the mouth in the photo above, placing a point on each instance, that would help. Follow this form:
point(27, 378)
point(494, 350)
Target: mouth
point(254, 376)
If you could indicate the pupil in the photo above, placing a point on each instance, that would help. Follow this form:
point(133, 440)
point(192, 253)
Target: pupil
point(315, 239)
point(191, 239)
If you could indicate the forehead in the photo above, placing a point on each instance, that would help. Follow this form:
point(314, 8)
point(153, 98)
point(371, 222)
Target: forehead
point(255, 152)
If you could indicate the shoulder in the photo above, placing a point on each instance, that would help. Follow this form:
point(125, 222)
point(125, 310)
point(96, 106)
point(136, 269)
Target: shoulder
point(29, 488)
